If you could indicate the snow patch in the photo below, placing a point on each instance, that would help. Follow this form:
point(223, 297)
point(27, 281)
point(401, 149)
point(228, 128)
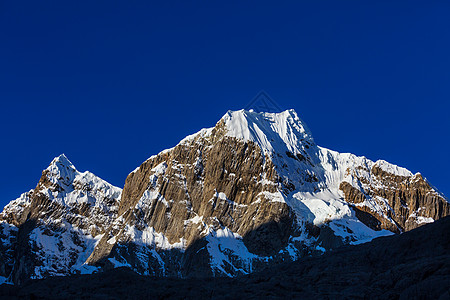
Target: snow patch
point(273, 132)
point(224, 245)
point(393, 169)
point(149, 237)
point(424, 220)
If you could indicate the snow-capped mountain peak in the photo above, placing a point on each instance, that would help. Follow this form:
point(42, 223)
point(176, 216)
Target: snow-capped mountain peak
point(64, 184)
point(64, 216)
point(393, 169)
point(273, 132)
point(61, 171)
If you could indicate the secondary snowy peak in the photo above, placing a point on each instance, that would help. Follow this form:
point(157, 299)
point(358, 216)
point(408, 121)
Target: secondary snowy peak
point(79, 187)
point(392, 169)
point(61, 171)
point(61, 183)
point(63, 218)
point(273, 132)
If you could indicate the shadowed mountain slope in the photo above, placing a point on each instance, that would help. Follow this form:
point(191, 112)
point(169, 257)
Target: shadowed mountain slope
point(413, 265)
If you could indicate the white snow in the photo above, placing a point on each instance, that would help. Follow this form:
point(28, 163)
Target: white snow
point(324, 210)
point(272, 197)
point(159, 169)
point(77, 187)
point(420, 219)
point(222, 242)
point(223, 197)
point(57, 248)
point(423, 220)
point(195, 220)
point(393, 169)
point(61, 171)
point(273, 132)
point(149, 237)
point(205, 132)
point(356, 231)
point(151, 193)
point(16, 207)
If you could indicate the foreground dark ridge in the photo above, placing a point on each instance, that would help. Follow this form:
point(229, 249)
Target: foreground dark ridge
point(413, 265)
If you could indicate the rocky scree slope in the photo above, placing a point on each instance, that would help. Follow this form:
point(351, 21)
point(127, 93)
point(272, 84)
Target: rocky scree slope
point(253, 191)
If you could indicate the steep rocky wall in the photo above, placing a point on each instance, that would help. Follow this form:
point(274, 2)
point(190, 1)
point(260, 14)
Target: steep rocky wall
point(411, 200)
point(224, 181)
point(194, 177)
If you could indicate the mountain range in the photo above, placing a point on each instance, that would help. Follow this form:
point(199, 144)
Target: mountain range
point(253, 191)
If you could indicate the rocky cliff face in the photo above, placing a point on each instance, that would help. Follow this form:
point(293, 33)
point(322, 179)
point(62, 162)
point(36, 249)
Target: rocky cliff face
point(208, 186)
point(396, 202)
point(251, 191)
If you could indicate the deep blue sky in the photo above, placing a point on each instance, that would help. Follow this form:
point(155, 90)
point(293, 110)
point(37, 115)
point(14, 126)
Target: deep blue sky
point(110, 84)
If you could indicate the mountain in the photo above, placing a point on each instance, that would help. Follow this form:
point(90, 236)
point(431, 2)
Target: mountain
point(413, 265)
point(50, 230)
point(253, 191)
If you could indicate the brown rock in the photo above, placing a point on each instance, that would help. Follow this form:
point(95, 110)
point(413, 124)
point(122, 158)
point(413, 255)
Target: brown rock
point(197, 174)
point(408, 198)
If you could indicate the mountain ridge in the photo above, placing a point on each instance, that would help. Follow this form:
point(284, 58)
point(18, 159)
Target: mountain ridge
point(253, 190)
